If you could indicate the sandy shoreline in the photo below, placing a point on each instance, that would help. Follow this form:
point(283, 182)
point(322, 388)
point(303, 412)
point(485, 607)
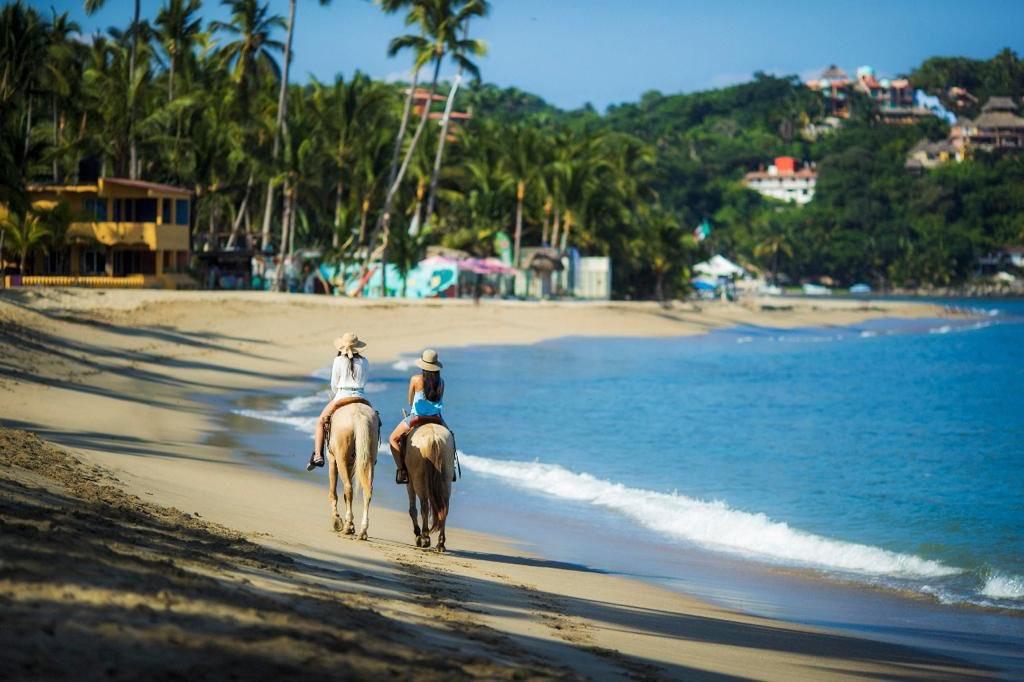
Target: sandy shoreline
point(112, 376)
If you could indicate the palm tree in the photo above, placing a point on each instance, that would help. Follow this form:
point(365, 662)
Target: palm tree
point(179, 31)
point(250, 54)
point(459, 50)
point(439, 21)
point(91, 6)
point(773, 243)
point(348, 119)
point(62, 78)
point(282, 110)
point(25, 232)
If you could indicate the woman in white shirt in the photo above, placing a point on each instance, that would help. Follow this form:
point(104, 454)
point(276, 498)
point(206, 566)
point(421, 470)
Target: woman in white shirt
point(348, 385)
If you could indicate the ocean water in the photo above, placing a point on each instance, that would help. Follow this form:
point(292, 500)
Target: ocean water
point(887, 454)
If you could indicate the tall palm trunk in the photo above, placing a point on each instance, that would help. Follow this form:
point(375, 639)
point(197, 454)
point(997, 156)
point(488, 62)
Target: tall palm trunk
point(396, 154)
point(291, 220)
point(133, 156)
point(383, 222)
point(28, 126)
point(243, 209)
point(336, 237)
point(282, 104)
point(555, 224)
point(170, 80)
point(56, 142)
point(283, 249)
point(435, 173)
point(520, 193)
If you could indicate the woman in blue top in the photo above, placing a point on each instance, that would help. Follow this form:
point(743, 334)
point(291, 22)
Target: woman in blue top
point(426, 394)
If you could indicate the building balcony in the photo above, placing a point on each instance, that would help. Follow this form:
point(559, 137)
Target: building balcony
point(155, 236)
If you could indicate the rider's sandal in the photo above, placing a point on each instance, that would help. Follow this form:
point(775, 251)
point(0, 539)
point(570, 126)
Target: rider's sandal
point(401, 476)
point(314, 462)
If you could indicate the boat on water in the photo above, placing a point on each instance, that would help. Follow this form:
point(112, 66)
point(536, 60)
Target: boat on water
point(860, 289)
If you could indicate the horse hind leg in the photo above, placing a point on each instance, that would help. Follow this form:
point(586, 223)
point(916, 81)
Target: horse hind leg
point(424, 522)
point(412, 513)
point(366, 484)
point(349, 523)
point(332, 492)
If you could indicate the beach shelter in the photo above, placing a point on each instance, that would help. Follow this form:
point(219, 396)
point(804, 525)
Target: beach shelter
point(718, 266)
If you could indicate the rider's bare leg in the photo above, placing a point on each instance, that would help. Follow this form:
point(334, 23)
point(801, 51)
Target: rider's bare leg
point(396, 447)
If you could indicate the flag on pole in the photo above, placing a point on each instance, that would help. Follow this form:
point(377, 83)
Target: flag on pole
point(702, 231)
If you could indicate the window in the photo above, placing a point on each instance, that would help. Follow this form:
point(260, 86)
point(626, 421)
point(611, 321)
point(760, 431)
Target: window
point(118, 210)
point(166, 213)
point(96, 208)
point(93, 263)
point(181, 212)
point(145, 210)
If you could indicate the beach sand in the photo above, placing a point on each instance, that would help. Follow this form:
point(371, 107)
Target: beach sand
point(141, 543)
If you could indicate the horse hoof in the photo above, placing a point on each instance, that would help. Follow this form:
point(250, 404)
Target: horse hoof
point(338, 525)
point(419, 541)
point(351, 530)
point(441, 549)
point(362, 536)
point(426, 542)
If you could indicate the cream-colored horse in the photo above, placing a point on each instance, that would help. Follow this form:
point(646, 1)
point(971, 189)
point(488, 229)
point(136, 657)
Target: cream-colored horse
point(430, 459)
point(352, 451)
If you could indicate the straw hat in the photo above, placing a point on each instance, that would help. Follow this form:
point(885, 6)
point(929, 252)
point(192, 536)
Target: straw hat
point(348, 344)
point(428, 361)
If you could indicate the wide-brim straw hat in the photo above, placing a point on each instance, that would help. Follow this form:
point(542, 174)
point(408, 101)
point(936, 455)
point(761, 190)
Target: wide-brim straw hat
point(428, 361)
point(348, 343)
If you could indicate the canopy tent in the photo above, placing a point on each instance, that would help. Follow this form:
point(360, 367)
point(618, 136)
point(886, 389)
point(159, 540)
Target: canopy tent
point(719, 266)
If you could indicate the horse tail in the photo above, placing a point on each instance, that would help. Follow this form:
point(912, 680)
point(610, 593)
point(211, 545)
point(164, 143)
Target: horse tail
point(437, 488)
point(364, 449)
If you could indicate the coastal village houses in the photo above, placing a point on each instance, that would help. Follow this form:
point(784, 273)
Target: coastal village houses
point(894, 99)
point(997, 128)
point(784, 181)
point(123, 233)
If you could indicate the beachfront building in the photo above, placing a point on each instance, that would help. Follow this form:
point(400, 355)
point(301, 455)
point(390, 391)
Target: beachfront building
point(784, 181)
point(124, 232)
point(997, 128)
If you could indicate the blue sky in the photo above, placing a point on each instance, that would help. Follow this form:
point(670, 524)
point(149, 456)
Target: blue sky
point(608, 51)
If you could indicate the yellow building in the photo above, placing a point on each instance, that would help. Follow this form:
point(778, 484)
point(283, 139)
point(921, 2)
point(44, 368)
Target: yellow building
point(122, 229)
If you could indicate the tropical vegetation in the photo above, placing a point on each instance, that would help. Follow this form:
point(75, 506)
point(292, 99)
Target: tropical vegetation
point(354, 167)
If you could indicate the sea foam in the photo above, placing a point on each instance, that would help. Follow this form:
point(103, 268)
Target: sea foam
point(1000, 586)
point(711, 525)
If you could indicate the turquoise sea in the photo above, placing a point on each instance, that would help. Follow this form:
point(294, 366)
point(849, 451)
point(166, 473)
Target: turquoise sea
point(822, 474)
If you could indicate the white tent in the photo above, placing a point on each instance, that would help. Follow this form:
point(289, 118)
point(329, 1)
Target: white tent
point(718, 266)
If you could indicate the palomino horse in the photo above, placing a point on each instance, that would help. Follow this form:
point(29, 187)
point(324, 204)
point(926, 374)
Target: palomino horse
point(352, 450)
point(430, 459)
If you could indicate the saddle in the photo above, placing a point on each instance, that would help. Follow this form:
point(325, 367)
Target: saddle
point(419, 421)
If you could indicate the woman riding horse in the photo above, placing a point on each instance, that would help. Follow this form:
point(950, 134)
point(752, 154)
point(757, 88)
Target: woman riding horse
point(426, 393)
point(348, 384)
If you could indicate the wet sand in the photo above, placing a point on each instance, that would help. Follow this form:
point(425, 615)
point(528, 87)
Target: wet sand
point(153, 547)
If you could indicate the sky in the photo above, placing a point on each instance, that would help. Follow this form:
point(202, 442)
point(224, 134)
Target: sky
point(571, 52)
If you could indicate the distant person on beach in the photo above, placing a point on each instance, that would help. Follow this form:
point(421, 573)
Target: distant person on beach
point(348, 384)
point(426, 394)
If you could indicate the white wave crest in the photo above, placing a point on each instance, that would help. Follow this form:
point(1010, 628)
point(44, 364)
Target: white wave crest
point(1001, 586)
point(303, 424)
point(306, 403)
point(713, 525)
